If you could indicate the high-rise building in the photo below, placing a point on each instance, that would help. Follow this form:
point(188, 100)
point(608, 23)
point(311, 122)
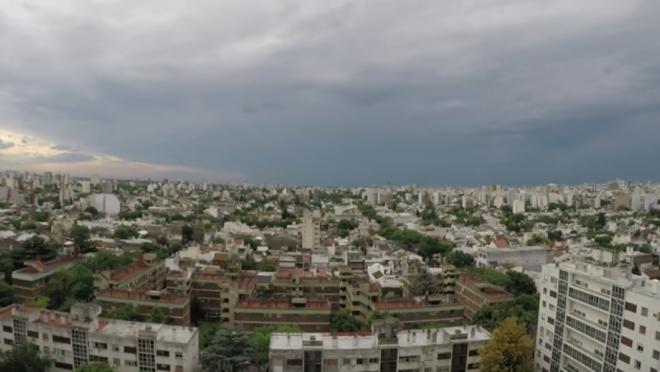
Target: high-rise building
point(597, 318)
point(311, 229)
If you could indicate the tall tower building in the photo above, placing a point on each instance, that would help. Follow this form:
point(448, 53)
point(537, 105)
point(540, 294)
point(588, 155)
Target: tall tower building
point(311, 229)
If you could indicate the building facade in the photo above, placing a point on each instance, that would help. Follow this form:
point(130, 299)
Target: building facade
point(81, 336)
point(597, 318)
point(385, 349)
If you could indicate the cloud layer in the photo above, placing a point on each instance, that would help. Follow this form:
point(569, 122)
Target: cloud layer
point(342, 92)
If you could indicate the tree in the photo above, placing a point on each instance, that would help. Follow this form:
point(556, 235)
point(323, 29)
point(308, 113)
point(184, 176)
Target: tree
point(198, 233)
point(80, 235)
point(125, 232)
point(555, 235)
point(248, 263)
point(267, 265)
point(343, 321)
point(67, 286)
point(37, 247)
point(92, 211)
point(508, 350)
point(636, 270)
point(423, 284)
point(186, 234)
point(536, 240)
point(460, 259)
point(127, 312)
point(519, 283)
point(7, 266)
point(229, 351)
point(94, 367)
point(157, 316)
point(6, 294)
point(260, 339)
point(23, 358)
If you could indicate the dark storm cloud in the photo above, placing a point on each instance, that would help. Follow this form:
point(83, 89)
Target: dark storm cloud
point(352, 92)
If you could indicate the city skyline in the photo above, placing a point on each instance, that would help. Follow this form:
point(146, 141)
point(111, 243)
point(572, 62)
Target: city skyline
point(348, 93)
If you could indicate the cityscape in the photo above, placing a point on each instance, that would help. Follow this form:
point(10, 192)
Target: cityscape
point(330, 186)
point(183, 276)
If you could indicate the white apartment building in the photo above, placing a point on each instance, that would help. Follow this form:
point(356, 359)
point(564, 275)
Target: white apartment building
point(80, 337)
point(529, 258)
point(311, 229)
point(385, 349)
point(597, 318)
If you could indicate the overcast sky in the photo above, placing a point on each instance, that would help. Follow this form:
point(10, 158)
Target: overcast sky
point(333, 92)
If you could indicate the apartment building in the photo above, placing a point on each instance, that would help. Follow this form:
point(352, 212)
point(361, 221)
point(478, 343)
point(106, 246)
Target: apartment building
point(597, 318)
point(30, 282)
point(147, 272)
point(529, 258)
point(308, 315)
point(79, 337)
point(412, 313)
point(311, 229)
point(175, 307)
point(386, 349)
point(473, 294)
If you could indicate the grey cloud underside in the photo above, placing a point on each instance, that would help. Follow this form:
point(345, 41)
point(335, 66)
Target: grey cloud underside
point(5, 145)
point(520, 92)
point(65, 157)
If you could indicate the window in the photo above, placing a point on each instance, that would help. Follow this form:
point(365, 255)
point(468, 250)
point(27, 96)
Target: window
point(101, 345)
point(645, 311)
point(631, 307)
point(642, 330)
point(163, 353)
point(44, 336)
point(116, 362)
point(130, 350)
point(178, 354)
point(7, 329)
point(474, 352)
point(638, 364)
point(624, 358)
point(61, 365)
point(62, 340)
point(656, 354)
point(8, 341)
point(628, 324)
point(640, 348)
point(657, 335)
point(163, 367)
point(33, 334)
point(294, 362)
point(626, 341)
point(130, 363)
point(444, 356)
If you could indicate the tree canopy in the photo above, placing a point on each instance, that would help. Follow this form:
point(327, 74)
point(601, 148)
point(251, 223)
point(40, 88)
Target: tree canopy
point(424, 283)
point(343, 321)
point(228, 351)
point(460, 259)
point(508, 350)
point(260, 339)
point(23, 358)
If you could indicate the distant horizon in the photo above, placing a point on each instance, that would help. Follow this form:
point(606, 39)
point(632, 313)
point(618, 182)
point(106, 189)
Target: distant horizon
point(147, 179)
